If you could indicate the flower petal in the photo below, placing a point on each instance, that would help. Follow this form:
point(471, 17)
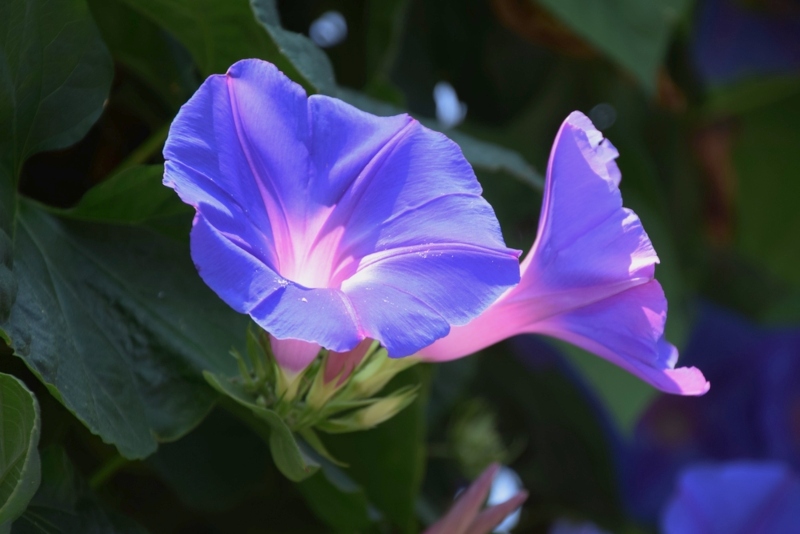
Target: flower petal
point(627, 330)
point(588, 246)
point(737, 497)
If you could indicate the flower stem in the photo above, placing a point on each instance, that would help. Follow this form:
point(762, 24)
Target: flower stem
point(107, 471)
point(144, 151)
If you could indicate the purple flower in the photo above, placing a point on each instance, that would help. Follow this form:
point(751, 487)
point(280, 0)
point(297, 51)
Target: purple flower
point(733, 40)
point(752, 412)
point(328, 225)
point(589, 277)
point(734, 498)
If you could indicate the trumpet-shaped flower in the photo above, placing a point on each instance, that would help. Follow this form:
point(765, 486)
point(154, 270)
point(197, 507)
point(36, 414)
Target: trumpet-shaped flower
point(734, 498)
point(328, 225)
point(589, 278)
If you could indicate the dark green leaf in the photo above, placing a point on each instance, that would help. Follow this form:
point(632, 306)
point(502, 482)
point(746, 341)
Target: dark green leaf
point(146, 50)
point(767, 167)
point(286, 453)
point(635, 34)
point(217, 34)
point(750, 94)
point(134, 195)
point(309, 60)
point(116, 322)
point(388, 461)
point(64, 504)
point(337, 500)
point(214, 466)
point(56, 74)
point(19, 436)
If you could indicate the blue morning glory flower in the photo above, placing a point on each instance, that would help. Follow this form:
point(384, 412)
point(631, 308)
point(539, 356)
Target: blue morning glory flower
point(328, 225)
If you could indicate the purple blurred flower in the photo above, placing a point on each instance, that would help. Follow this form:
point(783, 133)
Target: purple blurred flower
point(328, 225)
point(589, 277)
point(733, 40)
point(734, 498)
point(779, 407)
point(751, 413)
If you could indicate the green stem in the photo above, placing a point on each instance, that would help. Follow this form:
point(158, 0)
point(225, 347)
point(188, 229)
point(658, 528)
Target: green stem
point(107, 470)
point(144, 151)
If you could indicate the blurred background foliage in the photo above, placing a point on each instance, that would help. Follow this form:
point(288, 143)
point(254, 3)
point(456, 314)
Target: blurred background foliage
point(702, 99)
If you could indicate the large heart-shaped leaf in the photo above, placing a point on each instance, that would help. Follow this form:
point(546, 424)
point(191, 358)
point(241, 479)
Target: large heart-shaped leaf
point(19, 437)
point(112, 318)
point(55, 76)
point(116, 322)
point(65, 505)
point(635, 34)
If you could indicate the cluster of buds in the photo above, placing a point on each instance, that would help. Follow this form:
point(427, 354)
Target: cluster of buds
point(336, 393)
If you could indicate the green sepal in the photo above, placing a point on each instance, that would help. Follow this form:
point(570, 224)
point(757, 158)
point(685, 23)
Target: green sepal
point(315, 443)
point(376, 412)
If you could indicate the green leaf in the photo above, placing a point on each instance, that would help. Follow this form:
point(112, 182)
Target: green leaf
point(309, 60)
point(132, 196)
point(766, 166)
point(388, 461)
point(749, 94)
point(65, 505)
point(286, 453)
point(337, 500)
point(56, 74)
point(216, 34)
point(117, 323)
point(19, 436)
point(633, 33)
point(146, 50)
point(215, 466)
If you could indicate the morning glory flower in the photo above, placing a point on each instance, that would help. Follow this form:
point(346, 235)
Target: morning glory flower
point(734, 40)
point(328, 225)
point(751, 412)
point(589, 278)
point(734, 498)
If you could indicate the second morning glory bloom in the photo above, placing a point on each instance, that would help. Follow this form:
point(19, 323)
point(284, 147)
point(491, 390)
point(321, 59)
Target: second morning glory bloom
point(328, 225)
point(734, 498)
point(589, 278)
point(750, 413)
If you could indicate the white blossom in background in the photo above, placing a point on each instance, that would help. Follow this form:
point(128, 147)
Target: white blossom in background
point(450, 111)
point(329, 29)
point(505, 485)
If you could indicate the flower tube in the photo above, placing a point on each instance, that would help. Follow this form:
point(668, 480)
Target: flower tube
point(589, 277)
